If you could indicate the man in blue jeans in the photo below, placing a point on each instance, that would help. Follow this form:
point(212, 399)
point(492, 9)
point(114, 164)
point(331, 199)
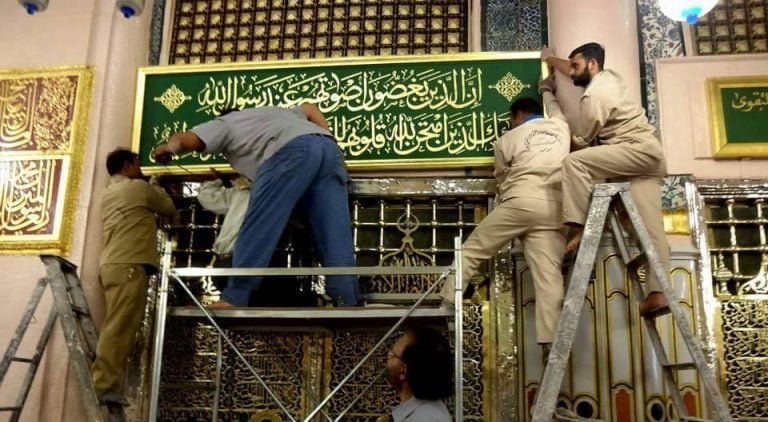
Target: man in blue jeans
point(293, 161)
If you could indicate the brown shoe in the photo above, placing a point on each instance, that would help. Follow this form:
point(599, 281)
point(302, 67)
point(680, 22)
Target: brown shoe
point(655, 305)
point(222, 304)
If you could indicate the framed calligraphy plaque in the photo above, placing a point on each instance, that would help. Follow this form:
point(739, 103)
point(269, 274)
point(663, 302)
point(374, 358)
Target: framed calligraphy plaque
point(385, 112)
point(738, 108)
point(43, 124)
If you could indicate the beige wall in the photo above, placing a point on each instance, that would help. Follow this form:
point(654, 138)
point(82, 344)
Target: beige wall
point(684, 117)
point(70, 32)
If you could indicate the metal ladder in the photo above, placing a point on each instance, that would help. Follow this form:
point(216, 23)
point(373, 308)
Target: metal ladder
point(71, 309)
point(606, 197)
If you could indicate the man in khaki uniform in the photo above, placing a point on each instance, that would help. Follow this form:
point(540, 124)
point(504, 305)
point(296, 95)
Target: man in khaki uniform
point(128, 259)
point(622, 145)
point(527, 170)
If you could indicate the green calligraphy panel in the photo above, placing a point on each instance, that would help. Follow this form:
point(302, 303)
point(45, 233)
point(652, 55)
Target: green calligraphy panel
point(398, 112)
point(746, 114)
point(738, 108)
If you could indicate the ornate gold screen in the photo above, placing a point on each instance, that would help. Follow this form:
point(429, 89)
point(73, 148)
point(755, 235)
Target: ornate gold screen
point(736, 216)
point(220, 31)
point(734, 26)
point(395, 222)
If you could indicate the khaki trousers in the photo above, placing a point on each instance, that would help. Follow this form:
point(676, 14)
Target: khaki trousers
point(538, 225)
point(125, 293)
point(642, 165)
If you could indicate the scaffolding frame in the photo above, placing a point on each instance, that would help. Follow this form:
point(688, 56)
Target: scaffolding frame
point(169, 273)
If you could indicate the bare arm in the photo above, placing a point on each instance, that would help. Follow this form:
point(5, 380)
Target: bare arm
point(178, 143)
point(314, 115)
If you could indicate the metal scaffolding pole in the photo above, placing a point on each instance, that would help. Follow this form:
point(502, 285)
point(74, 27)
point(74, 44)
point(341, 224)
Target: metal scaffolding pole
point(178, 273)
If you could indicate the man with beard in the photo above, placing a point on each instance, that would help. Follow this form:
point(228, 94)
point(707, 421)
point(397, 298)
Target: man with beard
point(420, 368)
point(622, 145)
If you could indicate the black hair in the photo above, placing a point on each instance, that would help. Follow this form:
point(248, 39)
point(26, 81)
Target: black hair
point(429, 364)
point(526, 105)
point(590, 51)
point(118, 158)
point(226, 111)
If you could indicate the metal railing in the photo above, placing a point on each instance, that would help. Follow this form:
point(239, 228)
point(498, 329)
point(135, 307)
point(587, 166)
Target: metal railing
point(169, 273)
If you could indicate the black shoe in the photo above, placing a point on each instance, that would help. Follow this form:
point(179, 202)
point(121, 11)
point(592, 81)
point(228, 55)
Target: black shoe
point(545, 349)
point(112, 398)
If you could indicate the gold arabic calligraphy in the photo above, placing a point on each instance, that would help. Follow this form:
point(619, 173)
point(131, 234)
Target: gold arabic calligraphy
point(758, 101)
point(17, 109)
point(370, 112)
point(27, 196)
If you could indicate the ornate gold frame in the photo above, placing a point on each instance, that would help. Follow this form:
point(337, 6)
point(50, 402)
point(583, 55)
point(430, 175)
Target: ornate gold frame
point(721, 149)
point(72, 163)
point(404, 164)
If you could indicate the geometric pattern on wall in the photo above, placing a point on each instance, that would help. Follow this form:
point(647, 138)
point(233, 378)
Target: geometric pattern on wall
point(216, 31)
point(733, 27)
point(660, 37)
point(514, 25)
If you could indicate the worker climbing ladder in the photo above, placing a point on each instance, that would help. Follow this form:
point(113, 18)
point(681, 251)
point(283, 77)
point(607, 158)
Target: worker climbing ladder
point(606, 197)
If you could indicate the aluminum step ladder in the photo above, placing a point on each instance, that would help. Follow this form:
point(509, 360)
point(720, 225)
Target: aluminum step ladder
point(606, 197)
point(71, 309)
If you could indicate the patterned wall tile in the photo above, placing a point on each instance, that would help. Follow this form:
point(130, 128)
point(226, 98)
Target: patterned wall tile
point(514, 25)
point(660, 37)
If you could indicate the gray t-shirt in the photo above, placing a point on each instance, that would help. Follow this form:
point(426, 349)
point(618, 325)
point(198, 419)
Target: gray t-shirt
point(249, 137)
point(417, 410)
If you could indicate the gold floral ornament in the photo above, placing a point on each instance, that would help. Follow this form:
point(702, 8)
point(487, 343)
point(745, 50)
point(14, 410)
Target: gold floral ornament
point(509, 86)
point(173, 98)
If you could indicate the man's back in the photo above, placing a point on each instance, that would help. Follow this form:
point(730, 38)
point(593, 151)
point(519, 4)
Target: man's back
point(130, 231)
point(529, 158)
point(249, 137)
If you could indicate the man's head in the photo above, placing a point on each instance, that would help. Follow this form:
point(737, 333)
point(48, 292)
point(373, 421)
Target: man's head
point(521, 109)
point(124, 162)
point(421, 363)
point(586, 62)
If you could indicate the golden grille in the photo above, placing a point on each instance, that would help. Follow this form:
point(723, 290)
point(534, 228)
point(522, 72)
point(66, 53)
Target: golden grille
point(734, 26)
point(215, 31)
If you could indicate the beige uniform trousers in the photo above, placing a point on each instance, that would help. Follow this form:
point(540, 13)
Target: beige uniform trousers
point(538, 225)
point(639, 164)
point(125, 293)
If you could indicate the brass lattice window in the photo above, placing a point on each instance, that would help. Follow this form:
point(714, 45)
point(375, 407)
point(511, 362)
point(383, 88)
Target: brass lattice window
point(215, 31)
point(736, 228)
point(734, 26)
point(736, 218)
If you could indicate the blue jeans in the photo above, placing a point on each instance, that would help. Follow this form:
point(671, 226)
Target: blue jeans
point(308, 173)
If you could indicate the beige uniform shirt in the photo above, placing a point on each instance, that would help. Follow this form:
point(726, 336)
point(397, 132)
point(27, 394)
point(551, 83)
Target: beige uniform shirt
point(607, 116)
point(130, 231)
point(529, 158)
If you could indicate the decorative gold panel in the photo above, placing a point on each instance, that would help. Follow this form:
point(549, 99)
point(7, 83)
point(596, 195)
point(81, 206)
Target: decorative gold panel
point(734, 212)
point(43, 123)
point(745, 356)
point(215, 31)
point(413, 222)
point(733, 27)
